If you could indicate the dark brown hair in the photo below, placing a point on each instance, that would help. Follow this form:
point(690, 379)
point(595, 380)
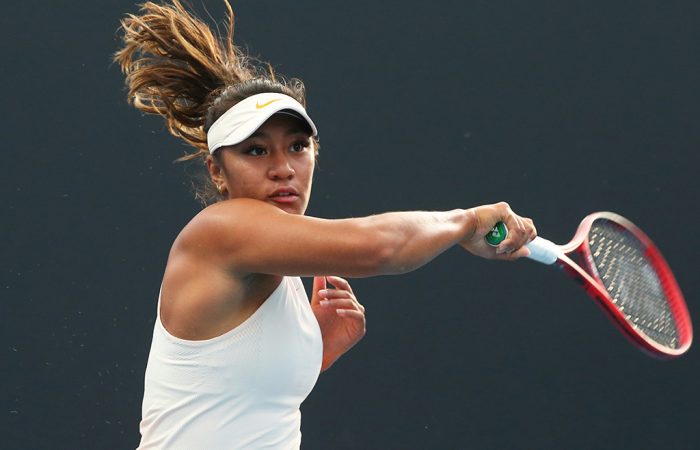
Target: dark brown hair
point(176, 67)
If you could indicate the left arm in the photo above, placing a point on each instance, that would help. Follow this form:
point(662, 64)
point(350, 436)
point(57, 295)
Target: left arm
point(340, 316)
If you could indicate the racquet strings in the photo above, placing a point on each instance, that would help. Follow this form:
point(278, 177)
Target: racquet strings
point(632, 281)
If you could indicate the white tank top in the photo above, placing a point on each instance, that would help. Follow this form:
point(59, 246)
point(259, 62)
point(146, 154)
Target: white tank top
point(239, 390)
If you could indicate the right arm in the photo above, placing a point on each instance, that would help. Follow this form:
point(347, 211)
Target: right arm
point(250, 236)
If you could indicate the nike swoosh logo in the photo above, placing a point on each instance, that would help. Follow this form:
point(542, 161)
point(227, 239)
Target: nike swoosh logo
point(259, 106)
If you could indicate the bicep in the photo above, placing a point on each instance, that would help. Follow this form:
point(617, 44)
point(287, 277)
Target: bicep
point(249, 236)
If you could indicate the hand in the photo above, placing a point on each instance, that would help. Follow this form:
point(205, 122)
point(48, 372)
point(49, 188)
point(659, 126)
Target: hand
point(340, 316)
point(521, 230)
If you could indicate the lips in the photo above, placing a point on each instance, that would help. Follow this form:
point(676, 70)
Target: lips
point(284, 195)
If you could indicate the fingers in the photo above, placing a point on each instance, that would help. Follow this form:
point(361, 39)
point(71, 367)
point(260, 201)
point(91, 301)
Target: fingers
point(335, 293)
point(351, 314)
point(521, 230)
point(319, 283)
point(531, 226)
point(343, 303)
point(339, 283)
point(519, 253)
point(341, 298)
point(517, 235)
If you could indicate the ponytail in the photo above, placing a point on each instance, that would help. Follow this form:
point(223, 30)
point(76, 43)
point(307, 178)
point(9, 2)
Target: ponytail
point(175, 66)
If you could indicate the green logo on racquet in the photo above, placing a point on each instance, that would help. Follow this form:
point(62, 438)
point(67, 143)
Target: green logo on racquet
point(497, 234)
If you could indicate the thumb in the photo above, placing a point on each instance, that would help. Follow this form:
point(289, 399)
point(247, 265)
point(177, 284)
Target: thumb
point(319, 283)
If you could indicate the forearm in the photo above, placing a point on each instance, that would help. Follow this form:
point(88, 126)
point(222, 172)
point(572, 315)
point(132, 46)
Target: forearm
point(412, 239)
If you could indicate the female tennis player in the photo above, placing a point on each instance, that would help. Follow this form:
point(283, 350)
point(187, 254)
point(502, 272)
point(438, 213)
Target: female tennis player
point(237, 346)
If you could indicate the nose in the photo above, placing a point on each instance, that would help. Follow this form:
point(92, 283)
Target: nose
point(281, 167)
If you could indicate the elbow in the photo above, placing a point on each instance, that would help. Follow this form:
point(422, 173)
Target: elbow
point(383, 261)
point(371, 259)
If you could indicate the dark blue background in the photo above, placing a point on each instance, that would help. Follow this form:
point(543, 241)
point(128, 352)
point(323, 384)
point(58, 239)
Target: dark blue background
point(560, 108)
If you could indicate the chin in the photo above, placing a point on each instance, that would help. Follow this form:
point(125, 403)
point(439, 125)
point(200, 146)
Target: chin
point(298, 211)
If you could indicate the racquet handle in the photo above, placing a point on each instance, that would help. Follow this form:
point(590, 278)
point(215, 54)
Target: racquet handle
point(541, 250)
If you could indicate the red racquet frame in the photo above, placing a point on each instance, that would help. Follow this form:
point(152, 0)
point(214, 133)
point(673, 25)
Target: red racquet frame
point(591, 282)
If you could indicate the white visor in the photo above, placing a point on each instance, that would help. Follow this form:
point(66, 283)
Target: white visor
point(246, 116)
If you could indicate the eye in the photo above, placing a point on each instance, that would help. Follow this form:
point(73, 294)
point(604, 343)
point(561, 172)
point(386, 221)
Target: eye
point(300, 146)
point(255, 150)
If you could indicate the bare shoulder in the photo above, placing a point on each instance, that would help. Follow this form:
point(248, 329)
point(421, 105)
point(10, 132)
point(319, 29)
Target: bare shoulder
point(202, 297)
point(222, 225)
point(222, 216)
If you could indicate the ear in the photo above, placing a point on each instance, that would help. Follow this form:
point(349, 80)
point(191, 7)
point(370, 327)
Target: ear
point(316, 146)
point(215, 171)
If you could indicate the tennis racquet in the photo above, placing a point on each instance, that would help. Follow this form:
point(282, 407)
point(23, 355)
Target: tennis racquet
point(620, 267)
